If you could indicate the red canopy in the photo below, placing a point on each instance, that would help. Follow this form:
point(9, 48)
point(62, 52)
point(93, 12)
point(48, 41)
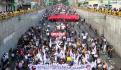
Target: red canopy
point(64, 17)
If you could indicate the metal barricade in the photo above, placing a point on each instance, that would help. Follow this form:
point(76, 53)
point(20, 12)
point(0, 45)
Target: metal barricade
point(119, 13)
point(103, 11)
point(0, 17)
point(15, 13)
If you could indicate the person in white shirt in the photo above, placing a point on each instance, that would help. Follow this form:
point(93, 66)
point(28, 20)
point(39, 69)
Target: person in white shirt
point(104, 48)
point(93, 52)
point(39, 56)
point(74, 56)
point(82, 34)
point(93, 44)
point(84, 37)
point(79, 59)
point(86, 34)
point(37, 42)
point(75, 45)
point(63, 27)
point(47, 60)
point(83, 45)
point(70, 52)
point(84, 60)
point(65, 46)
point(44, 61)
point(87, 57)
point(56, 55)
point(62, 54)
point(26, 57)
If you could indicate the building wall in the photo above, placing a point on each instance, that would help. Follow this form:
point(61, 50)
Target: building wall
point(8, 5)
point(2, 5)
point(41, 2)
point(27, 1)
point(37, 1)
point(3, 8)
point(73, 2)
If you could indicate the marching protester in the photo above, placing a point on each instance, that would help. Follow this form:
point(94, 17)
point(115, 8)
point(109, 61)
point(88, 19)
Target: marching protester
point(58, 45)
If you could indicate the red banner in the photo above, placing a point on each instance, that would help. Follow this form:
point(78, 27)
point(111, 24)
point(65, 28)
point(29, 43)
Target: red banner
point(65, 17)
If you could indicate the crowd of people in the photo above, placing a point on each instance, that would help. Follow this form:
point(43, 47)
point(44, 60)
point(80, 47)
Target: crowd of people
point(8, 14)
point(37, 46)
point(60, 8)
point(103, 7)
point(33, 49)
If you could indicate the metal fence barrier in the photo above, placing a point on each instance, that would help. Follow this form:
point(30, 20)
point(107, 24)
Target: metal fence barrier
point(103, 11)
point(8, 15)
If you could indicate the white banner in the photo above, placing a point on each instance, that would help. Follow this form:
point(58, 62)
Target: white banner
point(60, 67)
